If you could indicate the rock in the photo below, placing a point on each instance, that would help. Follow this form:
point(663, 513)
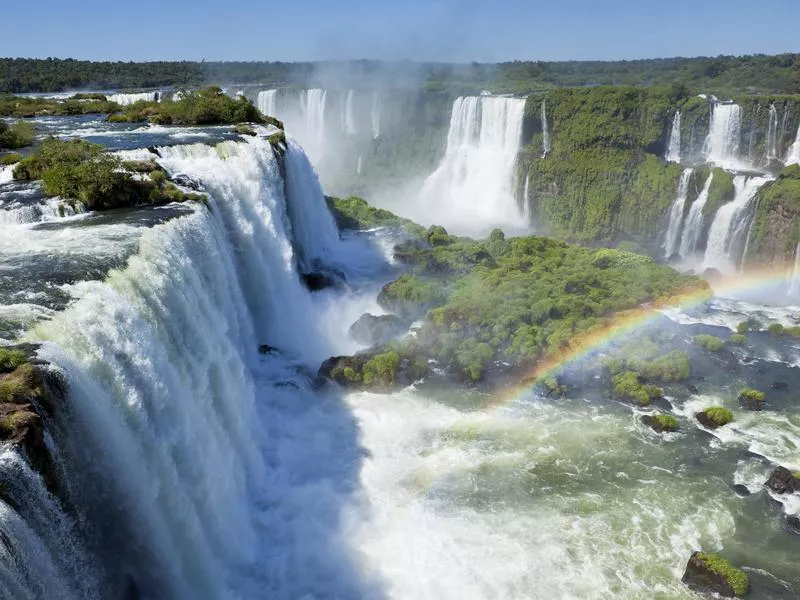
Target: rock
point(783, 481)
point(751, 399)
point(375, 330)
point(712, 274)
point(714, 417)
point(674, 258)
point(660, 423)
point(187, 182)
point(267, 349)
point(741, 490)
point(322, 279)
point(692, 389)
point(793, 524)
point(712, 574)
point(779, 385)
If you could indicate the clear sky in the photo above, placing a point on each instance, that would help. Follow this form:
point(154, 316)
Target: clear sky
point(439, 30)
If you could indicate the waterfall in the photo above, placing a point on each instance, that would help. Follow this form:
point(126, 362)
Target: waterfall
point(693, 226)
point(313, 109)
point(676, 214)
point(722, 144)
point(729, 228)
point(128, 99)
point(472, 188)
point(794, 284)
point(751, 145)
point(349, 114)
point(526, 207)
point(793, 155)
point(771, 147)
point(783, 130)
point(274, 226)
point(545, 131)
point(359, 165)
point(375, 115)
point(267, 102)
point(674, 145)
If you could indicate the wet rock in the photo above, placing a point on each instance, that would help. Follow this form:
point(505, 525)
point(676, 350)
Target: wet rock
point(322, 279)
point(741, 490)
point(267, 349)
point(783, 481)
point(712, 574)
point(779, 385)
point(714, 417)
point(660, 423)
point(692, 389)
point(187, 182)
point(751, 399)
point(793, 524)
point(374, 330)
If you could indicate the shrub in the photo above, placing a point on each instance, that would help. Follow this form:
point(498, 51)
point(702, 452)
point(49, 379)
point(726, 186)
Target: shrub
point(709, 342)
point(751, 399)
point(719, 415)
point(738, 339)
point(776, 329)
point(10, 359)
point(16, 135)
point(381, 370)
point(627, 386)
point(736, 578)
point(667, 422)
point(10, 158)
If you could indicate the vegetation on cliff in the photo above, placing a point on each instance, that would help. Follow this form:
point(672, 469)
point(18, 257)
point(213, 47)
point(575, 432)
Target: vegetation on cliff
point(209, 106)
point(500, 303)
point(775, 231)
point(19, 106)
point(78, 170)
point(355, 213)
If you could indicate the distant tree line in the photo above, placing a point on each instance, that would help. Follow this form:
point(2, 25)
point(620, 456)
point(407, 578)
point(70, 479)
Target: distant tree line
point(779, 74)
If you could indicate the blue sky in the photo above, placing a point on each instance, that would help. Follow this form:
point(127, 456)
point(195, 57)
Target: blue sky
point(446, 30)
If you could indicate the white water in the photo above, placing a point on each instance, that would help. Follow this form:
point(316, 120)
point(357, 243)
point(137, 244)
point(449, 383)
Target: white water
point(127, 99)
point(526, 206)
point(545, 131)
point(375, 115)
point(313, 103)
point(793, 155)
point(771, 146)
point(267, 102)
point(472, 189)
point(693, 225)
point(674, 145)
point(730, 225)
point(349, 114)
point(722, 144)
point(359, 165)
point(676, 214)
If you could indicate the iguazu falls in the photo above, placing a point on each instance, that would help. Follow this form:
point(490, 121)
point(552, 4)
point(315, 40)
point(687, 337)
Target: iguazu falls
point(479, 316)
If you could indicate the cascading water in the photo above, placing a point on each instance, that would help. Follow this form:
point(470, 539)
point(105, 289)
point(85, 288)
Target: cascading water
point(674, 145)
point(526, 207)
point(472, 189)
point(751, 145)
point(128, 99)
point(375, 115)
point(693, 226)
point(313, 104)
point(545, 131)
point(793, 155)
point(267, 102)
point(349, 114)
point(794, 282)
point(729, 229)
point(722, 144)
point(676, 214)
point(771, 147)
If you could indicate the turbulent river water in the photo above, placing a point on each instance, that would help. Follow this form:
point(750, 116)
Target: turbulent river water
point(196, 467)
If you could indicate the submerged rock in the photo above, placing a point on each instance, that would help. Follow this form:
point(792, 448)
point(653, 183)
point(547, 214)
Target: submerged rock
point(375, 330)
point(783, 481)
point(712, 574)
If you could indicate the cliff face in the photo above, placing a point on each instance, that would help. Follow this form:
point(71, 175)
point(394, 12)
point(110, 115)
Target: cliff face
point(775, 231)
point(605, 180)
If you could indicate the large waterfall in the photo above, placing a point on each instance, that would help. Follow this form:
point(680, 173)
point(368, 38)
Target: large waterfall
point(674, 144)
point(267, 102)
point(693, 226)
point(472, 189)
point(127, 99)
point(722, 144)
point(545, 130)
point(349, 114)
point(728, 231)
point(672, 237)
point(793, 155)
point(771, 146)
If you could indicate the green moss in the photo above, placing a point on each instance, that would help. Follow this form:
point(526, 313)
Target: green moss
point(736, 578)
point(738, 339)
point(752, 396)
point(244, 129)
point(667, 422)
point(381, 370)
point(719, 415)
point(438, 236)
point(627, 386)
point(776, 329)
point(709, 342)
point(356, 213)
point(20, 385)
point(10, 158)
point(10, 359)
point(748, 325)
point(721, 192)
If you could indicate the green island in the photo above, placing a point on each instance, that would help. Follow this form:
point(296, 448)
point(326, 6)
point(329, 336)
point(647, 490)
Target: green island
point(502, 305)
point(708, 572)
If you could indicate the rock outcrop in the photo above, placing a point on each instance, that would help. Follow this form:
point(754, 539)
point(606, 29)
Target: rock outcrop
point(712, 574)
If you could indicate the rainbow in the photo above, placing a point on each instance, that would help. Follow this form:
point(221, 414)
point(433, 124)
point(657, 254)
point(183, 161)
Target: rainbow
point(625, 322)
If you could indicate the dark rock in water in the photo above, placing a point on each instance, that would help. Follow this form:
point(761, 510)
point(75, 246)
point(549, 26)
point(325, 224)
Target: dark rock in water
point(751, 399)
point(779, 385)
point(374, 330)
point(783, 481)
point(793, 524)
point(692, 389)
point(153, 150)
point(660, 423)
point(711, 574)
point(317, 281)
point(674, 258)
point(712, 274)
point(267, 349)
point(741, 490)
point(187, 182)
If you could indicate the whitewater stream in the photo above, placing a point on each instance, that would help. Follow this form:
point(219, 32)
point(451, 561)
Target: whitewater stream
point(196, 467)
